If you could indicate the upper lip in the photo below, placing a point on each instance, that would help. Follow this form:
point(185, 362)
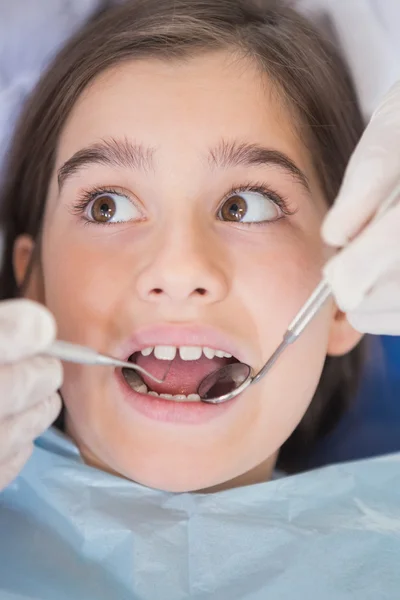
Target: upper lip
point(178, 335)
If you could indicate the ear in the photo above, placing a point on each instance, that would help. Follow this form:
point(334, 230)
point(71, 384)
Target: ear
point(22, 255)
point(342, 337)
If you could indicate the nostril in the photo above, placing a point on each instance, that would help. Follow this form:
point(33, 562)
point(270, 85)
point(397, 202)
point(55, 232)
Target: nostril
point(196, 292)
point(201, 291)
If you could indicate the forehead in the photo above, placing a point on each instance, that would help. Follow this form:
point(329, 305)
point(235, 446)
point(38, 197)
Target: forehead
point(185, 104)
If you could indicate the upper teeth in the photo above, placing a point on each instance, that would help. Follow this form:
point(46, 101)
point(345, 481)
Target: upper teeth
point(185, 352)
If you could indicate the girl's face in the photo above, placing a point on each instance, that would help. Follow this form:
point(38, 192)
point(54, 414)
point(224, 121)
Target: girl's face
point(184, 212)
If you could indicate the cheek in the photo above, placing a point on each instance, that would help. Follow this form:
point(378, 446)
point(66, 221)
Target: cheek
point(274, 278)
point(84, 288)
point(273, 285)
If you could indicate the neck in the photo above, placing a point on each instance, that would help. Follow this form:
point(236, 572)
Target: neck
point(260, 474)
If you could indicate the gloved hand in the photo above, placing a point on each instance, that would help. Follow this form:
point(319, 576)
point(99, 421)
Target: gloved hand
point(365, 275)
point(29, 402)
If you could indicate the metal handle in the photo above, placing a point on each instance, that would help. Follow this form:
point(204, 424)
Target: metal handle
point(87, 356)
point(314, 303)
point(73, 353)
point(322, 292)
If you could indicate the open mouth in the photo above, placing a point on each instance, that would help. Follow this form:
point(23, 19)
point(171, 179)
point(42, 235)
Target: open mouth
point(182, 367)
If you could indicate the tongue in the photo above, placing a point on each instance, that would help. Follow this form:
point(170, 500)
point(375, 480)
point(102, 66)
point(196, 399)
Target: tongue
point(181, 376)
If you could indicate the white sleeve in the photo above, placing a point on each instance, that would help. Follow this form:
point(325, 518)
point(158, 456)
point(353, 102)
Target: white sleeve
point(367, 32)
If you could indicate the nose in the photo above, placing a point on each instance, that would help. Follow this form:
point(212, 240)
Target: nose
point(185, 266)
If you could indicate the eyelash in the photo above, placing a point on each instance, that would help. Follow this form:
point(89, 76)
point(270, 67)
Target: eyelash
point(87, 196)
point(265, 190)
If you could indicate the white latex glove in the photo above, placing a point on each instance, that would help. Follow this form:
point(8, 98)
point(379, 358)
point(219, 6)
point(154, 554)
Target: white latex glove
point(29, 402)
point(365, 275)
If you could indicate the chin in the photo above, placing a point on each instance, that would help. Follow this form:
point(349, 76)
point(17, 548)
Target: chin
point(179, 486)
point(173, 478)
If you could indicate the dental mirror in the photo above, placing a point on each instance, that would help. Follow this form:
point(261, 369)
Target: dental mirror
point(226, 383)
point(220, 385)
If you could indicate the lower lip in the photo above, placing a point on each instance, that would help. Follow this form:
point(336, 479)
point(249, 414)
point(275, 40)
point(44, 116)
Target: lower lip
point(159, 409)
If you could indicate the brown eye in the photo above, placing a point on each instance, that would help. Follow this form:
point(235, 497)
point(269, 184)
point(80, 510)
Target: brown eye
point(112, 207)
point(250, 207)
point(234, 209)
point(103, 209)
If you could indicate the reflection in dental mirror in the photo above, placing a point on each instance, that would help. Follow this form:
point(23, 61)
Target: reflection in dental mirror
point(224, 381)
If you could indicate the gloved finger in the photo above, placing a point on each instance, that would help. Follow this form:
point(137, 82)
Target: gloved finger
point(379, 312)
point(372, 174)
point(26, 328)
point(384, 296)
point(25, 427)
point(354, 271)
point(25, 383)
point(11, 468)
point(387, 324)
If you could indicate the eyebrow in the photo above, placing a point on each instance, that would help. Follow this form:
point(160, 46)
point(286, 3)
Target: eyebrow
point(126, 154)
point(233, 154)
point(110, 152)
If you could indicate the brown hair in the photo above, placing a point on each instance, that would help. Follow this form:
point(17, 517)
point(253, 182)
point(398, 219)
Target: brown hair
point(309, 76)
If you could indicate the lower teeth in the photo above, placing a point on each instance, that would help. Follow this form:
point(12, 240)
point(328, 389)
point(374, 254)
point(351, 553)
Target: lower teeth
point(176, 398)
point(142, 388)
point(135, 382)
